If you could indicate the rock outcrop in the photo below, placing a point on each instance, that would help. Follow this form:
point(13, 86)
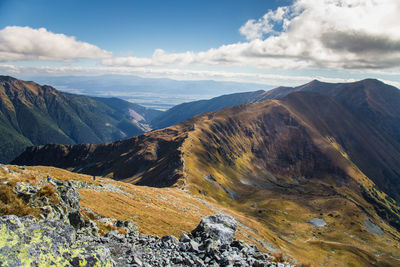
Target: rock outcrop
point(28, 241)
point(65, 236)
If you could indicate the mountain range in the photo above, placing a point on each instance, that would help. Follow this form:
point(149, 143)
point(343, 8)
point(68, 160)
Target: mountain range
point(156, 93)
point(317, 165)
point(31, 114)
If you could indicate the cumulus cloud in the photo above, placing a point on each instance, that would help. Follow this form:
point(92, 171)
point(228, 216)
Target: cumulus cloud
point(256, 29)
point(333, 34)
point(25, 43)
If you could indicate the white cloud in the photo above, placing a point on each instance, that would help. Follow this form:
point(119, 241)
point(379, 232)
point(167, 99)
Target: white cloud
point(180, 74)
point(332, 34)
point(25, 43)
point(255, 29)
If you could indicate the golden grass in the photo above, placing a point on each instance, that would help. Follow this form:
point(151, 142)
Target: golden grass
point(49, 191)
point(277, 257)
point(282, 221)
point(10, 203)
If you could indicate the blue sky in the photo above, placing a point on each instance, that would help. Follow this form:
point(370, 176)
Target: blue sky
point(280, 42)
point(139, 27)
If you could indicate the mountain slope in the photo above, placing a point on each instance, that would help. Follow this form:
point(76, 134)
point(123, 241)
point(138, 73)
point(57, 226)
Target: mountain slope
point(31, 114)
point(283, 162)
point(188, 110)
point(376, 109)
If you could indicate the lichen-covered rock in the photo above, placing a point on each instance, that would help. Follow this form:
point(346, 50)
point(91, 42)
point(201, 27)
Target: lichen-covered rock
point(25, 190)
point(219, 227)
point(129, 226)
point(28, 241)
point(68, 194)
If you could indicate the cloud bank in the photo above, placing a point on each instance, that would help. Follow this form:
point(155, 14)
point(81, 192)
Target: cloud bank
point(25, 43)
point(332, 34)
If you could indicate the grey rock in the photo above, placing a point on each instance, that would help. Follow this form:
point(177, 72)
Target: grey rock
point(26, 190)
point(169, 240)
point(184, 238)
point(35, 242)
point(128, 226)
point(76, 219)
point(137, 261)
point(220, 227)
point(194, 246)
point(177, 260)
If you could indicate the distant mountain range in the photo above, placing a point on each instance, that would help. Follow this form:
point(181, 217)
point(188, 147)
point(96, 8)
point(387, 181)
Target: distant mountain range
point(157, 93)
point(31, 114)
point(321, 151)
point(188, 110)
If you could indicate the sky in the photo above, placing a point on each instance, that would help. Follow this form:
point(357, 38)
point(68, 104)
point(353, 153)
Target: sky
point(277, 42)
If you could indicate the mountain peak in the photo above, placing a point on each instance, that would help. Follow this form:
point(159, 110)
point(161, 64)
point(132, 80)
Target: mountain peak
point(371, 81)
point(6, 78)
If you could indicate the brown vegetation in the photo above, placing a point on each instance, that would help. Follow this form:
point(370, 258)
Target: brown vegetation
point(10, 203)
point(277, 257)
point(49, 191)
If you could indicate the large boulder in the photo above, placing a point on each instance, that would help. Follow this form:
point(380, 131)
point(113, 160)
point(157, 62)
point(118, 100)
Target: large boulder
point(220, 227)
point(28, 241)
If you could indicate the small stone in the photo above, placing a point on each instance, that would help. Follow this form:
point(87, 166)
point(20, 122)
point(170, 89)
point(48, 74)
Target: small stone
point(188, 262)
point(194, 246)
point(237, 244)
point(258, 263)
point(137, 261)
point(260, 256)
point(177, 260)
point(184, 238)
point(169, 239)
point(199, 262)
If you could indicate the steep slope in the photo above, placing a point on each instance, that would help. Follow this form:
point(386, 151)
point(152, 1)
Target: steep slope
point(141, 116)
point(284, 163)
point(376, 109)
point(188, 110)
point(31, 114)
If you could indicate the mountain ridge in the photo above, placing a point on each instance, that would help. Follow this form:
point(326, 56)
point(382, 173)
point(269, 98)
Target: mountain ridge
point(283, 162)
point(31, 114)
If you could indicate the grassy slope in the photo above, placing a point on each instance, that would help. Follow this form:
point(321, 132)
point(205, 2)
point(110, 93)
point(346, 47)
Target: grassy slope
point(285, 200)
point(157, 211)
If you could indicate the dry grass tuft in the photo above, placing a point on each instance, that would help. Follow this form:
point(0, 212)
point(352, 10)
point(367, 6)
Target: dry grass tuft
point(49, 191)
point(301, 264)
point(11, 204)
point(122, 231)
point(277, 257)
point(89, 215)
point(105, 228)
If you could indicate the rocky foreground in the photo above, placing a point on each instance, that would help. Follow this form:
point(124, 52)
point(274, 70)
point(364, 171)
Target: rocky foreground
point(64, 236)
